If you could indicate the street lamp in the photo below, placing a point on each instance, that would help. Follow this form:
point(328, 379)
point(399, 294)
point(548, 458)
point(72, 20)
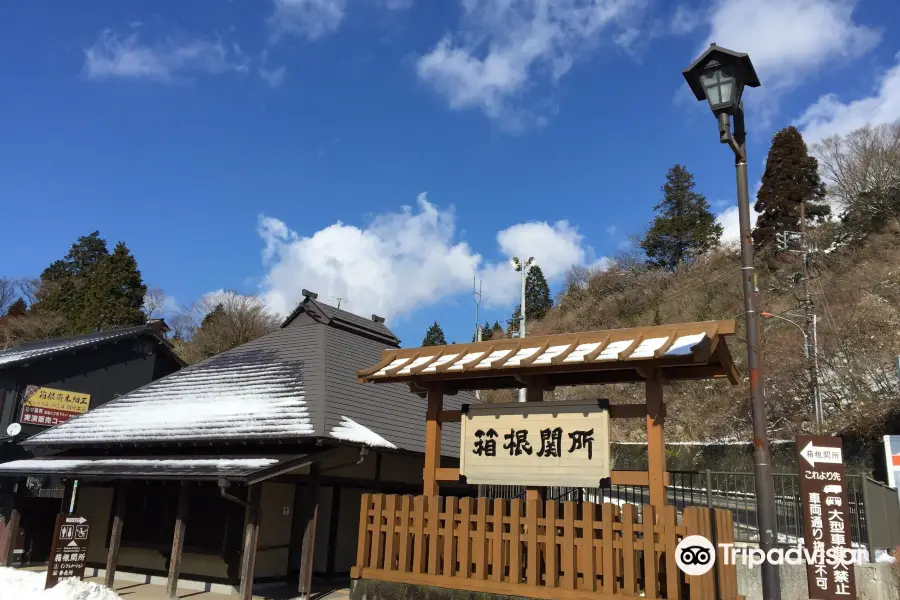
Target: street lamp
point(719, 76)
point(522, 267)
point(819, 413)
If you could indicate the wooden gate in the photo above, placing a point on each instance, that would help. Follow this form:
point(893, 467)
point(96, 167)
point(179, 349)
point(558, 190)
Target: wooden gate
point(537, 549)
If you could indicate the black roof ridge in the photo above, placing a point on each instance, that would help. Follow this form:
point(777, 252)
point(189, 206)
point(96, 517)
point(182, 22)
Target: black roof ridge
point(64, 344)
point(328, 314)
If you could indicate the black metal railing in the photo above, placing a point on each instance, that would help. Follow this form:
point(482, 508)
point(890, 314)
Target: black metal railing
point(874, 508)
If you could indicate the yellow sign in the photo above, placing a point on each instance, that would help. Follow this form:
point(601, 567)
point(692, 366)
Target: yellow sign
point(53, 399)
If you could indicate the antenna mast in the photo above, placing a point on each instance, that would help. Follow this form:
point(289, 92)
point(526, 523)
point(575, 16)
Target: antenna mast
point(476, 295)
point(338, 299)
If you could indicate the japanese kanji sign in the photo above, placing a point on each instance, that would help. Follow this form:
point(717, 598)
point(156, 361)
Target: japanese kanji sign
point(535, 443)
point(47, 407)
point(826, 517)
point(68, 551)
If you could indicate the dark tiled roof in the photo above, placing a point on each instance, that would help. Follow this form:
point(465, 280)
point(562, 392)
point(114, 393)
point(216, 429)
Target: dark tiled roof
point(33, 351)
point(344, 318)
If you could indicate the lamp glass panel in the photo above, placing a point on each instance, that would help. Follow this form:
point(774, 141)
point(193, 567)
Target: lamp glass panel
point(709, 78)
point(726, 89)
point(712, 94)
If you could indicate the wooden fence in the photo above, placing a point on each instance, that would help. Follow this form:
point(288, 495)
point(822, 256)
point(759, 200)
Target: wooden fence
point(537, 549)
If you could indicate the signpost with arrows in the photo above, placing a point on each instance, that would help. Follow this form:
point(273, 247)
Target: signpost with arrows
point(68, 552)
point(826, 517)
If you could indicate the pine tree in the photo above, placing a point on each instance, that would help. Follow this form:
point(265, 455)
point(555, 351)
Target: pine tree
point(684, 227)
point(791, 177)
point(512, 323)
point(496, 331)
point(434, 336)
point(113, 292)
point(17, 308)
point(537, 294)
point(485, 332)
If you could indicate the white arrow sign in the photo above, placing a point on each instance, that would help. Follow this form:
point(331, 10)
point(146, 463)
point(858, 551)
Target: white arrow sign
point(822, 454)
point(76, 520)
point(72, 544)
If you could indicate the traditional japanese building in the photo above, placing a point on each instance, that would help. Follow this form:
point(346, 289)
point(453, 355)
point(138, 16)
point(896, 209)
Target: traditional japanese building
point(248, 466)
point(47, 382)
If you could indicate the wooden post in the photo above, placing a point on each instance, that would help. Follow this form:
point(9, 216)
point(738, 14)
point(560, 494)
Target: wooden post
point(432, 441)
point(537, 494)
point(307, 556)
point(251, 537)
point(11, 529)
point(656, 444)
point(115, 536)
point(178, 541)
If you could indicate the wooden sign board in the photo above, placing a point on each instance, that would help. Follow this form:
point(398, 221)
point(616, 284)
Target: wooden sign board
point(535, 443)
point(826, 516)
point(68, 550)
point(47, 407)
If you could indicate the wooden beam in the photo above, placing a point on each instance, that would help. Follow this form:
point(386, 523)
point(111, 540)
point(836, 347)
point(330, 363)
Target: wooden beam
point(11, 528)
point(447, 474)
point(251, 539)
point(432, 441)
point(178, 542)
point(115, 536)
point(656, 444)
point(451, 416)
point(307, 556)
point(627, 411)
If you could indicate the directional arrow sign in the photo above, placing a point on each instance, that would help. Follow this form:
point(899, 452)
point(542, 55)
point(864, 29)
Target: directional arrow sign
point(819, 454)
point(72, 544)
point(76, 520)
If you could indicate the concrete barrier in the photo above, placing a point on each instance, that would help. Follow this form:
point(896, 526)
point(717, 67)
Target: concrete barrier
point(874, 581)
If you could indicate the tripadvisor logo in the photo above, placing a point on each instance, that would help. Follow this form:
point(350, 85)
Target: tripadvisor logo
point(695, 555)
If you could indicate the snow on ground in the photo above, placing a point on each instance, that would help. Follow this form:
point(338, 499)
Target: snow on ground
point(16, 584)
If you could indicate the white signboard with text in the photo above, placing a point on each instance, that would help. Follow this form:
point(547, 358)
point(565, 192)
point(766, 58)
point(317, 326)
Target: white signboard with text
point(535, 443)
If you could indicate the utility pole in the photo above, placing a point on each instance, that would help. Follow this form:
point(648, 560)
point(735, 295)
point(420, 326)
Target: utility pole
point(476, 294)
point(812, 358)
point(522, 268)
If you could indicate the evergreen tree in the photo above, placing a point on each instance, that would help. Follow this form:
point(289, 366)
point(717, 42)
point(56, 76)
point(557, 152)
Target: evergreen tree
point(213, 315)
point(61, 289)
point(485, 332)
point(17, 308)
point(84, 254)
point(496, 331)
point(113, 293)
point(684, 227)
point(537, 294)
point(791, 177)
point(512, 323)
point(434, 336)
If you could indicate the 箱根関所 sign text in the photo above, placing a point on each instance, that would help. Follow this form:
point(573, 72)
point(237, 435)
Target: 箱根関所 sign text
point(48, 406)
point(535, 443)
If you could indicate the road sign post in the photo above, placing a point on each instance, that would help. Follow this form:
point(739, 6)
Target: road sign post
point(68, 551)
point(826, 517)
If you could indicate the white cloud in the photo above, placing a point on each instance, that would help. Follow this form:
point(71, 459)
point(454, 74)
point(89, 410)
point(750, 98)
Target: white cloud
point(118, 55)
point(611, 230)
point(789, 40)
point(274, 77)
point(312, 19)
point(686, 19)
point(829, 116)
point(406, 260)
point(730, 221)
point(396, 4)
point(506, 48)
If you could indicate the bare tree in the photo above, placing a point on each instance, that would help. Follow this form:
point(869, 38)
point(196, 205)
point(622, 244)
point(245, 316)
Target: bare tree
point(859, 163)
point(8, 294)
point(220, 322)
point(154, 303)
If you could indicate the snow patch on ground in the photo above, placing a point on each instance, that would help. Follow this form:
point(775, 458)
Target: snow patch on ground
point(16, 584)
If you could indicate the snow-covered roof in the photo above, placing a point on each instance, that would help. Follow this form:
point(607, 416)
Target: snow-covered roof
point(612, 356)
point(32, 351)
point(147, 467)
point(296, 382)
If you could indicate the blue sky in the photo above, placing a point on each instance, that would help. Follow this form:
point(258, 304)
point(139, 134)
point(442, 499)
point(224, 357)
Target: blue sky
point(395, 148)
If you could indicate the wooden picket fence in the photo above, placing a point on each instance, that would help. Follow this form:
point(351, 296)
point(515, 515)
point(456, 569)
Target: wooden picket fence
point(537, 549)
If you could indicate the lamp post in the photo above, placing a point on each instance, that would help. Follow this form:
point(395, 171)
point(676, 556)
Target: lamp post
point(719, 76)
point(522, 267)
